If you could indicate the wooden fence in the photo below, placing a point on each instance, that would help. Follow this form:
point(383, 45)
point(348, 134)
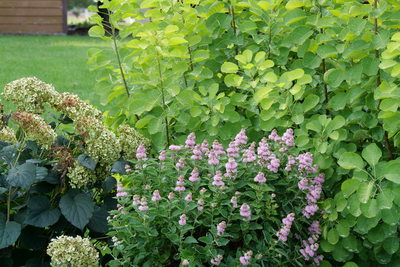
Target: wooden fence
point(33, 16)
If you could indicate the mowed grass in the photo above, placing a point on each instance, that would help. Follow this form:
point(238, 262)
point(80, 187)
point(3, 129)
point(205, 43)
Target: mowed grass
point(57, 60)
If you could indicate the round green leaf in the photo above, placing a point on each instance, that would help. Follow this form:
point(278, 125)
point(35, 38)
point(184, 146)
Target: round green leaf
point(326, 247)
point(381, 255)
point(229, 67)
point(22, 176)
point(310, 102)
point(96, 31)
point(369, 209)
point(364, 191)
point(343, 228)
point(350, 264)
point(350, 243)
point(385, 199)
point(391, 244)
point(354, 206)
point(341, 204)
point(392, 171)
point(391, 216)
point(350, 186)
point(333, 236)
point(350, 160)
point(376, 234)
point(340, 253)
point(372, 154)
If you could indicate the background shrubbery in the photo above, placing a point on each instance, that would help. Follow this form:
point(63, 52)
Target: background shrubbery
point(329, 69)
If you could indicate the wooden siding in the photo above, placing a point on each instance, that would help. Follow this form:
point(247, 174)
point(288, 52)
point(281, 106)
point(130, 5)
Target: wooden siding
point(33, 16)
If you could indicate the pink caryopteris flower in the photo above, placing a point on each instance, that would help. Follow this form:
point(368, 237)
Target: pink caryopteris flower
point(314, 188)
point(245, 212)
point(218, 179)
point(180, 184)
point(217, 260)
point(143, 204)
point(197, 154)
point(221, 228)
point(231, 168)
point(248, 155)
point(245, 260)
point(241, 138)
point(120, 190)
point(141, 153)
point(194, 177)
point(190, 141)
point(156, 196)
point(182, 220)
point(285, 230)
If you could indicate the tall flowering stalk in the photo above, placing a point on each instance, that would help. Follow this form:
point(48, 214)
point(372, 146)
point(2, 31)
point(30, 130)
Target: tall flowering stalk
point(243, 189)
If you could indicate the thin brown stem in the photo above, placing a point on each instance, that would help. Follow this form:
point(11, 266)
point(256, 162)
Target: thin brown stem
point(163, 98)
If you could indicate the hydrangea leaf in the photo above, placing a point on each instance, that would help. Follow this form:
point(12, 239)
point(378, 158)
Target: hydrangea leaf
point(9, 231)
point(40, 213)
point(77, 208)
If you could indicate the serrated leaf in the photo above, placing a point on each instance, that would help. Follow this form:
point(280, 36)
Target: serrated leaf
point(22, 176)
point(77, 208)
point(40, 213)
point(9, 231)
point(87, 161)
point(98, 221)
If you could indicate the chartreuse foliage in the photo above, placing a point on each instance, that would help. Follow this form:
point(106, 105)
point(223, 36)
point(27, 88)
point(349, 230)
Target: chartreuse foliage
point(329, 69)
point(364, 215)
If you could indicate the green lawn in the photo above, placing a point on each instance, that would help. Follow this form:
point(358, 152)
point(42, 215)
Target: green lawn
point(57, 60)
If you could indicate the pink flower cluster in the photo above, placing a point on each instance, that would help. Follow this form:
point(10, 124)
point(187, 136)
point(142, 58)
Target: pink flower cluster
point(314, 188)
point(221, 228)
point(248, 155)
point(120, 190)
point(182, 220)
point(217, 260)
point(231, 170)
point(190, 141)
point(310, 249)
point(285, 230)
point(143, 204)
point(218, 179)
point(156, 196)
point(305, 163)
point(245, 260)
point(245, 212)
point(141, 153)
point(180, 184)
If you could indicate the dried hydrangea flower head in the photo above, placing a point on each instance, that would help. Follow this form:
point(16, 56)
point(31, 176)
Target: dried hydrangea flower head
point(72, 251)
point(35, 128)
point(130, 140)
point(74, 107)
point(29, 94)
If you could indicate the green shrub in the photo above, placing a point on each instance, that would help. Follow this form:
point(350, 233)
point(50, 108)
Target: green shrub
point(55, 184)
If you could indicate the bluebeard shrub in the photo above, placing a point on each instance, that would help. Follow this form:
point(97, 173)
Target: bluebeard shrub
point(197, 205)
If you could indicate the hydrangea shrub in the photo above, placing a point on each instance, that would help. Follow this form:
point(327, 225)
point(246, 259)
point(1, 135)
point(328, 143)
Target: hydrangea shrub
point(54, 183)
point(202, 205)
